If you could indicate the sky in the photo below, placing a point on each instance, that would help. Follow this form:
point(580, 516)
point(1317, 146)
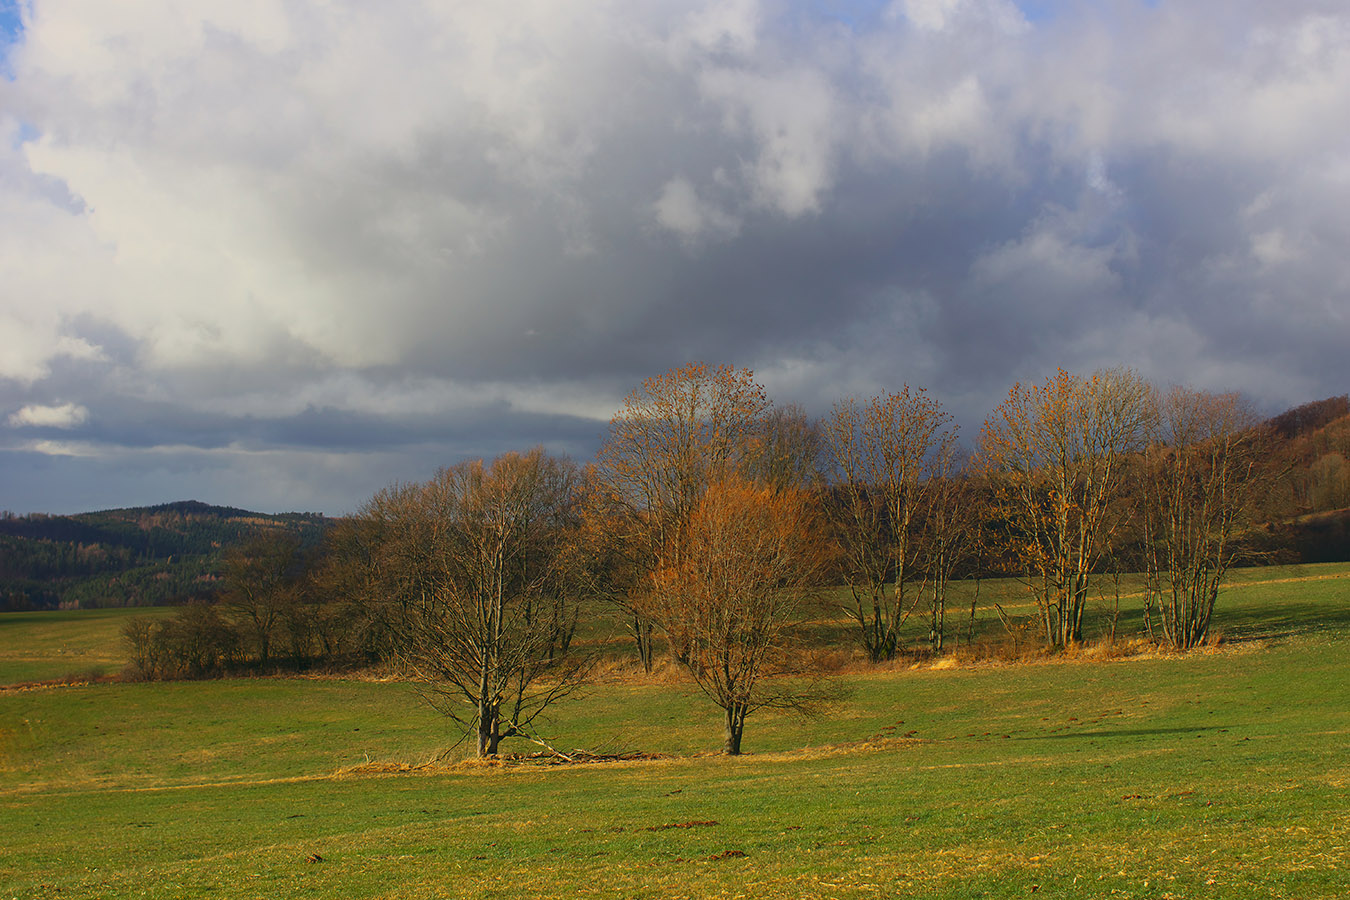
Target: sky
point(279, 254)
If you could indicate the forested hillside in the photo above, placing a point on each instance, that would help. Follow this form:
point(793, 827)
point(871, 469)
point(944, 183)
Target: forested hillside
point(1308, 514)
point(143, 556)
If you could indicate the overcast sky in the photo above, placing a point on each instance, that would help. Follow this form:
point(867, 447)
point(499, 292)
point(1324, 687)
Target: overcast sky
point(279, 253)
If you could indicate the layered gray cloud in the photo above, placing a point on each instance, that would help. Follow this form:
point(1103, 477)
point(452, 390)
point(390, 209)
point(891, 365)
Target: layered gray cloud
point(278, 253)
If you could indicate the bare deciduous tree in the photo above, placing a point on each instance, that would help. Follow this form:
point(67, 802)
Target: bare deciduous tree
point(1202, 481)
point(261, 585)
point(1056, 452)
point(787, 451)
point(879, 452)
point(949, 531)
point(468, 569)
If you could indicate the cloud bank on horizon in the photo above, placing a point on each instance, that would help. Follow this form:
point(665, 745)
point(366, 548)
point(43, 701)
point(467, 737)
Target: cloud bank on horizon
point(279, 253)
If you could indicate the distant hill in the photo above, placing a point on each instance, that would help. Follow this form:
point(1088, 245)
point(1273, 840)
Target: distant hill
point(1308, 516)
point(143, 556)
point(1310, 417)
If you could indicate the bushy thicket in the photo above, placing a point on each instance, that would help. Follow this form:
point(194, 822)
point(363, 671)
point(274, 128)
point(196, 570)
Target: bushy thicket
point(206, 639)
point(196, 642)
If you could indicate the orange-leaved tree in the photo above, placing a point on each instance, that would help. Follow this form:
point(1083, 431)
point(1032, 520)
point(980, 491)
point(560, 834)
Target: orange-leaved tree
point(751, 554)
point(675, 434)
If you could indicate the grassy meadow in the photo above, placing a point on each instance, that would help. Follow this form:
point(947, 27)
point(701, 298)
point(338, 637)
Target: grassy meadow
point(1222, 774)
point(42, 646)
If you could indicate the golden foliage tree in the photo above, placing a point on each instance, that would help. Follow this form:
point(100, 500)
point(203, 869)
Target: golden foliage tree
point(675, 434)
point(1056, 453)
point(751, 554)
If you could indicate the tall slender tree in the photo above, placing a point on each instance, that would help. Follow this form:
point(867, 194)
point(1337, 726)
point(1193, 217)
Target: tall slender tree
point(880, 452)
point(1056, 453)
point(949, 530)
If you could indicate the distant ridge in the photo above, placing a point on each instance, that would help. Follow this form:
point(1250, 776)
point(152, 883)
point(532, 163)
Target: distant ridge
point(197, 507)
point(1310, 521)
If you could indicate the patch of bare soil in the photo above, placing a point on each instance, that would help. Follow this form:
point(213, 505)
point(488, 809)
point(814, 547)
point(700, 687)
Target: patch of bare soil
point(727, 854)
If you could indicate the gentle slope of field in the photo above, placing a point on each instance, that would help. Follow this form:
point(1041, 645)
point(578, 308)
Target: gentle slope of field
point(40, 646)
point(1223, 774)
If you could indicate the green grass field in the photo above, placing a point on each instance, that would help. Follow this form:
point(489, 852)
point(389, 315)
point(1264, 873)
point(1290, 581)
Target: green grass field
point(1224, 774)
point(40, 646)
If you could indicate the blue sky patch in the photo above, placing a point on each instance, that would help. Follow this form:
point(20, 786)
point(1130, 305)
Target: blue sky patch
point(11, 32)
point(11, 22)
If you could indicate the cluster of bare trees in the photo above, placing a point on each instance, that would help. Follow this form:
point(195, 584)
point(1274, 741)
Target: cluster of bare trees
point(1081, 466)
point(268, 612)
point(897, 504)
point(710, 518)
point(1202, 477)
point(1056, 454)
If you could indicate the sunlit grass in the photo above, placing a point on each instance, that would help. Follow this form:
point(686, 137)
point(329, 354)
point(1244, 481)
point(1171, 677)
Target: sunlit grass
point(1220, 774)
point(39, 646)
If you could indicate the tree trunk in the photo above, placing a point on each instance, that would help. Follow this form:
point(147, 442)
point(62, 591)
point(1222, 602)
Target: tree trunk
point(488, 732)
point(878, 634)
point(735, 727)
point(642, 632)
point(937, 630)
point(970, 627)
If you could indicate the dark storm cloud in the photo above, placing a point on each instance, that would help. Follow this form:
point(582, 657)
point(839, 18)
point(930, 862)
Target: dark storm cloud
point(290, 252)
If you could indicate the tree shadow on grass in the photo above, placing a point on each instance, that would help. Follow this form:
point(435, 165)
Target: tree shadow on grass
point(1132, 732)
point(1282, 621)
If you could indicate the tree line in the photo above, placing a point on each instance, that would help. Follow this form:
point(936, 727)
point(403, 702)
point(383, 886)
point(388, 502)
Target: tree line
point(710, 517)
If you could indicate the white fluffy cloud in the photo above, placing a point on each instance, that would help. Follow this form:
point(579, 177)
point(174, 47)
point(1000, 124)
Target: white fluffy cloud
point(683, 211)
point(67, 415)
point(419, 230)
